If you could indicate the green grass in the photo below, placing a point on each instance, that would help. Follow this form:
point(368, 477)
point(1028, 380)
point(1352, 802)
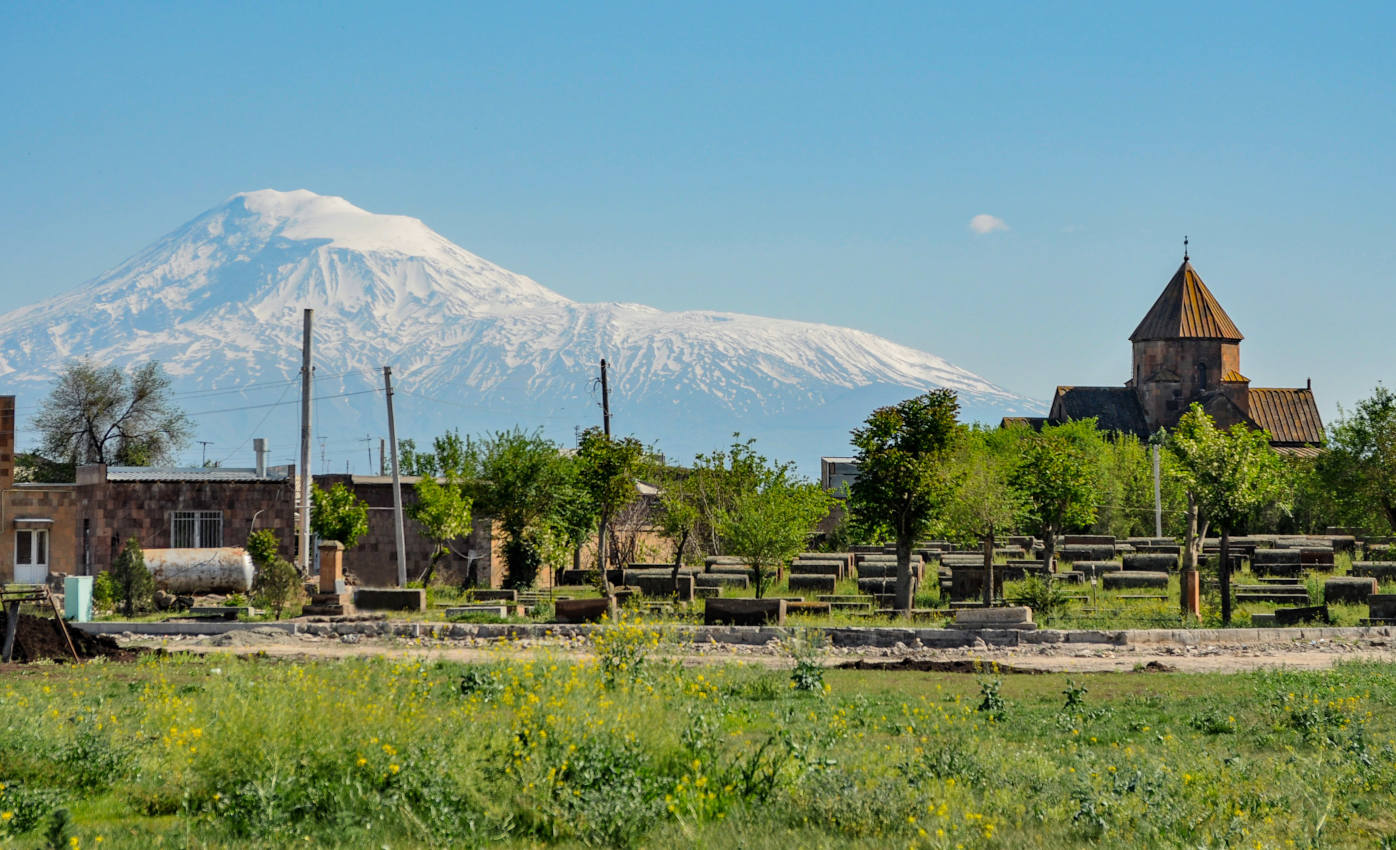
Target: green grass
point(633, 751)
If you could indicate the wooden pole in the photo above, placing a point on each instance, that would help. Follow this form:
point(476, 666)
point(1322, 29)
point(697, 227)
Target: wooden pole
point(303, 561)
point(398, 534)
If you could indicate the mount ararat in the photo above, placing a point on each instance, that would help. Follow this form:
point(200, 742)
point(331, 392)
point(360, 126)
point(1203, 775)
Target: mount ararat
point(473, 346)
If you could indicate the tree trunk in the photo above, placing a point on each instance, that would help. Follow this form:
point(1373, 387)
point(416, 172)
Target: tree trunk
point(1049, 548)
point(1190, 546)
point(905, 588)
point(989, 567)
point(678, 559)
point(1225, 557)
point(601, 560)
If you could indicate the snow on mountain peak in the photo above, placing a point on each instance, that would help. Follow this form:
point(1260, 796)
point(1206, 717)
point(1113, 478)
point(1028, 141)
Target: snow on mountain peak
point(304, 215)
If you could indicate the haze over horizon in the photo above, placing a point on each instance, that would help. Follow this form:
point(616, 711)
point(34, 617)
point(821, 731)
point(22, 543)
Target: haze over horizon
point(1008, 191)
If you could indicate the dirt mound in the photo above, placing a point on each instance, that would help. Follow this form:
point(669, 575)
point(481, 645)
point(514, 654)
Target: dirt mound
point(921, 665)
point(38, 638)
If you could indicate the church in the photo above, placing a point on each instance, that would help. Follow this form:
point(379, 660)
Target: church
point(1188, 350)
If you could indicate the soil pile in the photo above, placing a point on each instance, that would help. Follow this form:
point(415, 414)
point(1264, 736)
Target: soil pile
point(41, 637)
point(921, 665)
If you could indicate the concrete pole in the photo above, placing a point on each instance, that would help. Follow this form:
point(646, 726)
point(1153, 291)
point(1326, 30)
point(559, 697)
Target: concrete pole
point(303, 560)
point(1158, 497)
point(397, 482)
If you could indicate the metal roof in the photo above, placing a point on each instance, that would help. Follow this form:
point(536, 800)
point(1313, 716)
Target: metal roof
point(1290, 415)
point(192, 473)
point(1186, 310)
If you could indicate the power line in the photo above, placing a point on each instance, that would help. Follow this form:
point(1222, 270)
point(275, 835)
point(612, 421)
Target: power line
point(279, 403)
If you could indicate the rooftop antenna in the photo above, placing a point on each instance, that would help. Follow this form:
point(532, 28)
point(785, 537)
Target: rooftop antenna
point(1185, 248)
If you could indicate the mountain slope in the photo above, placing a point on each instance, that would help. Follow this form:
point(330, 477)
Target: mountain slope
point(472, 345)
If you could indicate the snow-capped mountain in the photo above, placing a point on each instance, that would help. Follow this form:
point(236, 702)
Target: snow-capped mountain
point(474, 346)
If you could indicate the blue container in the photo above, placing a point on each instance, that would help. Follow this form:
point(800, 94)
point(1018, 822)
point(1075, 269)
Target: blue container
point(77, 598)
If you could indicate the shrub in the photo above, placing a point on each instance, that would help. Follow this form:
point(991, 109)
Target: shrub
point(275, 582)
point(134, 585)
point(104, 592)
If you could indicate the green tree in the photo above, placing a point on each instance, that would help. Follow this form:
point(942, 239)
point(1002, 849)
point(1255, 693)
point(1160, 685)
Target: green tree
point(680, 512)
point(134, 584)
point(715, 483)
point(444, 496)
point(1227, 475)
point(770, 524)
point(905, 477)
point(1359, 468)
point(99, 414)
point(520, 477)
point(275, 580)
point(338, 514)
point(983, 504)
point(607, 470)
point(1056, 477)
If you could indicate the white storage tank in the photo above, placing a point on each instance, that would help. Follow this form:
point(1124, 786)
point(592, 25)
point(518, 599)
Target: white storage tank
point(224, 570)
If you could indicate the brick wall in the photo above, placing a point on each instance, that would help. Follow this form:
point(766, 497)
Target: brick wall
point(112, 511)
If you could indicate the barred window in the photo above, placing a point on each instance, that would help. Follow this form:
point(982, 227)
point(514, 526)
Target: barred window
point(196, 529)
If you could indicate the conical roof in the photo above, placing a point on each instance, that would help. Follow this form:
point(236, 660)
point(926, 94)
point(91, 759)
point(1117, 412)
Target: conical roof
point(1186, 310)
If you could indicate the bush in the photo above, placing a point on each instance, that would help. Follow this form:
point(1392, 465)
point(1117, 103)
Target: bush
point(522, 561)
point(104, 592)
point(134, 585)
point(275, 582)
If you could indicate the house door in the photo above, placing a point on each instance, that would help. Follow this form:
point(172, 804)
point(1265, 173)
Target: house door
point(31, 556)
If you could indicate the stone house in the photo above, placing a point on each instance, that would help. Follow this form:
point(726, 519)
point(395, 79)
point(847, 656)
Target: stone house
point(1186, 349)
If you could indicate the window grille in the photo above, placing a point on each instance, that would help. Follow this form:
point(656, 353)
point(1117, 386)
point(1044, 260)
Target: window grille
point(196, 529)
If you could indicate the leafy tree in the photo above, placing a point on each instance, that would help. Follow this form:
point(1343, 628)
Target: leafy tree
point(1359, 468)
point(98, 414)
point(715, 483)
point(33, 467)
point(134, 584)
point(1227, 474)
point(905, 477)
point(444, 496)
point(680, 512)
point(606, 472)
point(520, 476)
point(1056, 476)
point(574, 515)
point(983, 503)
point(275, 580)
point(338, 514)
point(768, 525)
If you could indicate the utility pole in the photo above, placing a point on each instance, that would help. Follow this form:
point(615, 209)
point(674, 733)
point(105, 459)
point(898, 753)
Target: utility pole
point(1158, 497)
point(382, 455)
point(304, 554)
point(368, 449)
point(203, 451)
point(397, 482)
point(605, 400)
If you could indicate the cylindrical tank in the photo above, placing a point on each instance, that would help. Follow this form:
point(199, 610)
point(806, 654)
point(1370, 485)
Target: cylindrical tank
point(225, 570)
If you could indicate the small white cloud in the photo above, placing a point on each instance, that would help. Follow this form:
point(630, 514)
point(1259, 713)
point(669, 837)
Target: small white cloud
point(985, 223)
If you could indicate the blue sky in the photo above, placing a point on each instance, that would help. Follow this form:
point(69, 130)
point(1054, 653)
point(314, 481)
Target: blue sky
point(811, 161)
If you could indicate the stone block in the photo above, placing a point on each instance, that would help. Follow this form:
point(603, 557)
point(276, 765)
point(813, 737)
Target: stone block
point(744, 612)
point(1382, 606)
point(1097, 568)
point(330, 605)
point(1153, 562)
point(390, 599)
point(662, 586)
point(818, 584)
point(1380, 570)
point(1088, 540)
point(1353, 589)
point(994, 618)
point(968, 583)
point(580, 610)
point(465, 610)
point(808, 608)
point(816, 568)
point(1306, 614)
point(1087, 552)
point(1133, 579)
point(496, 595)
point(720, 580)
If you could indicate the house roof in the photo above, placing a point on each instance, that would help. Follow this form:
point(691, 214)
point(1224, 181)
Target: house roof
point(1290, 415)
point(192, 473)
point(1114, 408)
point(1033, 422)
point(1186, 310)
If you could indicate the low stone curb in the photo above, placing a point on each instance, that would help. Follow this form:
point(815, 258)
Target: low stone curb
point(840, 636)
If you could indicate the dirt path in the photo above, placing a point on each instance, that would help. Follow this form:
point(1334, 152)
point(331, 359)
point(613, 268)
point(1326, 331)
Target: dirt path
point(1052, 658)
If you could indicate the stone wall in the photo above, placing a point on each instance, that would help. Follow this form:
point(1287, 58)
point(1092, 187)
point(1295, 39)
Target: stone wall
point(112, 511)
point(56, 502)
point(373, 561)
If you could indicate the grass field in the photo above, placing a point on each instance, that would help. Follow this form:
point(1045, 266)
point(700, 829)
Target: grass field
point(226, 752)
